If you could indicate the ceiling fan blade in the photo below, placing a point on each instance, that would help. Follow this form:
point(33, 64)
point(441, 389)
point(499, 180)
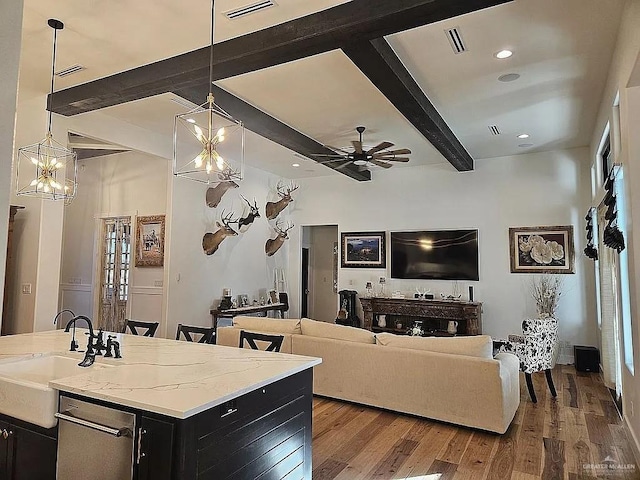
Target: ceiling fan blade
point(380, 146)
point(357, 144)
point(402, 151)
point(381, 164)
point(392, 159)
point(343, 165)
point(333, 160)
point(337, 149)
point(335, 155)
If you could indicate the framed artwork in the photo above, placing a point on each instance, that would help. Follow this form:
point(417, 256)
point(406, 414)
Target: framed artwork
point(363, 250)
point(542, 249)
point(273, 297)
point(150, 241)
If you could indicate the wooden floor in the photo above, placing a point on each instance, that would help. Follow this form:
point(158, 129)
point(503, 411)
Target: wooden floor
point(571, 437)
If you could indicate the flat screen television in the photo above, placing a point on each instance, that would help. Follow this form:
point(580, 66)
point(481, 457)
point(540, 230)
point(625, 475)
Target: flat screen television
point(435, 255)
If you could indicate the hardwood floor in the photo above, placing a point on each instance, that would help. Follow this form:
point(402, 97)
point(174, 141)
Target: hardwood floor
point(571, 437)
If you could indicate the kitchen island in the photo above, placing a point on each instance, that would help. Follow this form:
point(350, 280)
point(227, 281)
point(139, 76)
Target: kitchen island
point(200, 411)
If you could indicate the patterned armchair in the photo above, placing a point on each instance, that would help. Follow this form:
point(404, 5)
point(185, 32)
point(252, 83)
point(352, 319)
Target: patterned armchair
point(536, 348)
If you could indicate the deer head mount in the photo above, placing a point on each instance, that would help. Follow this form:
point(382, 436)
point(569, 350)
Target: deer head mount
point(214, 194)
point(274, 244)
point(245, 222)
point(273, 209)
point(211, 241)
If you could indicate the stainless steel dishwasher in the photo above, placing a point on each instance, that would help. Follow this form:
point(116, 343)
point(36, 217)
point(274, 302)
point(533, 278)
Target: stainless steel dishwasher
point(94, 441)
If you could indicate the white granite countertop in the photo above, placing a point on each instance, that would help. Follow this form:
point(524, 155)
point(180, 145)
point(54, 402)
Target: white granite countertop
point(178, 379)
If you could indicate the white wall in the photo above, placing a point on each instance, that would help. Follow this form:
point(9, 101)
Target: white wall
point(124, 184)
point(10, 39)
point(324, 300)
point(549, 188)
point(195, 280)
point(620, 81)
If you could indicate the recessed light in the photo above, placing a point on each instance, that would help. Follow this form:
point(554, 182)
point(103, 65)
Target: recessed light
point(525, 145)
point(503, 54)
point(509, 77)
point(523, 135)
point(191, 120)
point(295, 165)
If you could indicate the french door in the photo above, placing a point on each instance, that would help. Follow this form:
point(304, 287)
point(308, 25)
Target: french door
point(114, 273)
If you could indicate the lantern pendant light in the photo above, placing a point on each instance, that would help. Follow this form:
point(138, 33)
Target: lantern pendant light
point(208, 143)
point(47, 169)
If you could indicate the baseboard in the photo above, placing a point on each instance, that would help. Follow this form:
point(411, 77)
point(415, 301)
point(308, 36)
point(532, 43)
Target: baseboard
point(565, 360)
point(635, 446)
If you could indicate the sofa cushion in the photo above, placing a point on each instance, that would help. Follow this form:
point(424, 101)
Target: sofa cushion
point(314, 328)
point(472, 346)
point(262, 324)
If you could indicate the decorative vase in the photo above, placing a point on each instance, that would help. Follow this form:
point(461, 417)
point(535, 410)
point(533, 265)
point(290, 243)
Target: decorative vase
point(382, 321)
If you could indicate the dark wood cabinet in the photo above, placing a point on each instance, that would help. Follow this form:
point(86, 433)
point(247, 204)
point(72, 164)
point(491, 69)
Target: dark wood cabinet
point(27, 452)
point(156, 449)
point(435, 314)
point(8, 275)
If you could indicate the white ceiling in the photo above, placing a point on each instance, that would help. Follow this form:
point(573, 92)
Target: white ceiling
point(562, 52)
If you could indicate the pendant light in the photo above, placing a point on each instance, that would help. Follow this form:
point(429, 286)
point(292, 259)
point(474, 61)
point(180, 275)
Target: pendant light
point(208, 143)
point(47, 169)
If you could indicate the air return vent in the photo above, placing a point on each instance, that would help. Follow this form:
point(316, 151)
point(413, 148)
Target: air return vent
point(184, 103)
point(247, 9)
point(494, 130)
point(455, 39)
point(70, 70)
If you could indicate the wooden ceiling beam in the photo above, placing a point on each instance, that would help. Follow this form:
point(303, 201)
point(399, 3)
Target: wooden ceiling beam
point(265, 125)
point(330, 29)
point(377, 60)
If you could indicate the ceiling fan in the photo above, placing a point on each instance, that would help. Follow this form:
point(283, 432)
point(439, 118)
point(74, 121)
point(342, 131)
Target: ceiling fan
point(378, 155)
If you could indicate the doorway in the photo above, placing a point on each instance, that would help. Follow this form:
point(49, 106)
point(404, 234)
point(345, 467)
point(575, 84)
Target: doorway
point(115, 253)
point(319, 271)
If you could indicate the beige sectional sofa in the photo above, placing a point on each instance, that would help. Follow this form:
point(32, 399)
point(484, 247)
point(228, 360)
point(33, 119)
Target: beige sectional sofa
point(455, 380)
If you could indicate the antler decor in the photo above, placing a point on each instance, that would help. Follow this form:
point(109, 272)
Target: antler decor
point(211, 241)
point(273, 209)
point(274, 244)
point(214, 194)
point(245, 222)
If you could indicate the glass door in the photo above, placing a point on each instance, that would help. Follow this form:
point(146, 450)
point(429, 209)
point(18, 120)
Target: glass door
point(114, 273)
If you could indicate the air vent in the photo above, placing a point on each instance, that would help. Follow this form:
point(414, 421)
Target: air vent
point(247, 9)
point(184, 103)
point(494, 130)
point(455, 39)
point(70, 71)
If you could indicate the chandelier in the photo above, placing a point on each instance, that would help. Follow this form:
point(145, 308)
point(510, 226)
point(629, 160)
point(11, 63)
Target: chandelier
point(47, 169)
point(208, 143)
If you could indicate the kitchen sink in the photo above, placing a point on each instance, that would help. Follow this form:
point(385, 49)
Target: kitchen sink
point(24, 387)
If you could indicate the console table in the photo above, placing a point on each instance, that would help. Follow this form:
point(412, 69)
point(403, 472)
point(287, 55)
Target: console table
point(434, 313)
point(232, 312)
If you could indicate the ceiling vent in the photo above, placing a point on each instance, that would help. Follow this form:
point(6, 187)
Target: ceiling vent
point(494, 130)
point(247, 9)
point(70, 71)
point(184, 103)
point(455, 39)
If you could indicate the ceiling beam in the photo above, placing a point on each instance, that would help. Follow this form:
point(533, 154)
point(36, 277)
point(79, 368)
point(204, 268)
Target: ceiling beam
point(268, 127)
point(377, 60)
point(330, 29)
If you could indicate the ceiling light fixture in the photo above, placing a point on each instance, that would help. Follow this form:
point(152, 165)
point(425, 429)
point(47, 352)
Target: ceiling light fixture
point(47, 169)
point(208, 143)
point(296, 165)
point(502, 54)
point(523, 135)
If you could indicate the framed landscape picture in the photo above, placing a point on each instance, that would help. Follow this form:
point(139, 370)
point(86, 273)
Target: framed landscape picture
point(150, 241)
point(363, 250)
point(542, 249)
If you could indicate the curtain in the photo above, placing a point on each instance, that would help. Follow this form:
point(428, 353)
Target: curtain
point(609, 309)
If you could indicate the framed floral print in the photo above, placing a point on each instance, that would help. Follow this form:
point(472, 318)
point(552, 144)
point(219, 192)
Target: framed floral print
point(150, 241)
point(542, 249)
